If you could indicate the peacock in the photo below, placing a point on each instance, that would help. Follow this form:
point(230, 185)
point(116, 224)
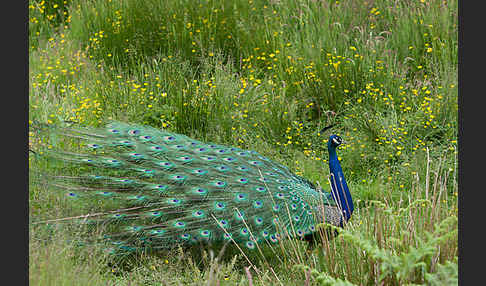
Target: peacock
point(158, 189)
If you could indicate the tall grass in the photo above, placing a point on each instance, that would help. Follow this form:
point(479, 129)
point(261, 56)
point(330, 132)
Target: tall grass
point(267, 75)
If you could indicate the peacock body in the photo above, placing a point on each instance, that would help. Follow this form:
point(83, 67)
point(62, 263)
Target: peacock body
point(160, 189)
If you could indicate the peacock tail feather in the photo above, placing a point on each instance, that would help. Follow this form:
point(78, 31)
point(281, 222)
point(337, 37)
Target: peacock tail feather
point(160, 189)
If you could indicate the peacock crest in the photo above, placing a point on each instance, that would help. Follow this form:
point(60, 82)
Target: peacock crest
point(160, 189)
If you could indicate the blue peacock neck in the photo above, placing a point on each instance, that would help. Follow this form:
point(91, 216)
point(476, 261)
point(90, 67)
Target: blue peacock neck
point(339, 188)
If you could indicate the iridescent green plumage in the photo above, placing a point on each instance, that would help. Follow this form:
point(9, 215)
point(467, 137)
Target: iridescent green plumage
point(165, 189)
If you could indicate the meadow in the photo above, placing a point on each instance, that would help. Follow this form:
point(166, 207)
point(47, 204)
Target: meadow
point(265, 76)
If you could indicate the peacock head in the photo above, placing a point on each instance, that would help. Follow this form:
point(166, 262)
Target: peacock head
point(334, 141)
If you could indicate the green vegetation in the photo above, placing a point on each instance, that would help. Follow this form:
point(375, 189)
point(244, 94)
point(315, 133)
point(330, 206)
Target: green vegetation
point(266, 76)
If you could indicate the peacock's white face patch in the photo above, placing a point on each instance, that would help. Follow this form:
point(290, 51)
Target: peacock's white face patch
point(337, 140)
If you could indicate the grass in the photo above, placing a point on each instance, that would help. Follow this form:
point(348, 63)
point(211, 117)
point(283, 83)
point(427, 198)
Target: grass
point(266, 76)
